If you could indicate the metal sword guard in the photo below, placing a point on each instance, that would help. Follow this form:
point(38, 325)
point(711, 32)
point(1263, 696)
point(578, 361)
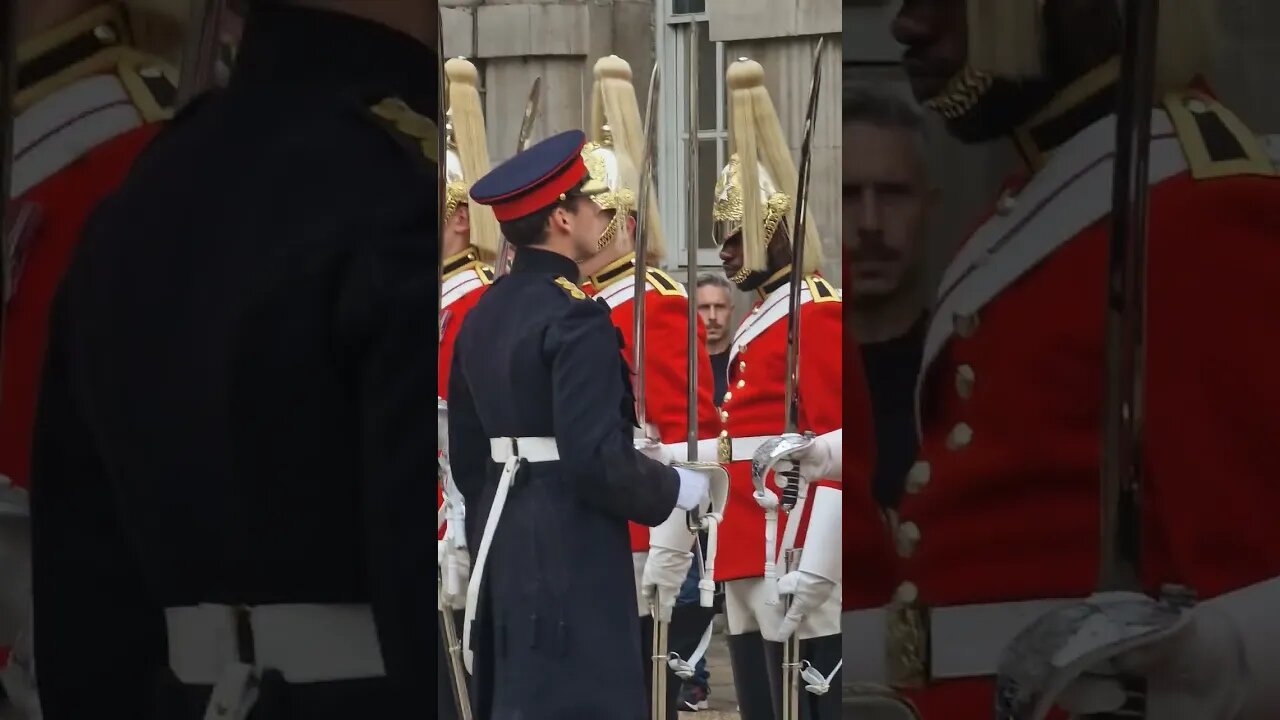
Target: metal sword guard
point(775, 451)
point(1050, 653)
point(717, 488)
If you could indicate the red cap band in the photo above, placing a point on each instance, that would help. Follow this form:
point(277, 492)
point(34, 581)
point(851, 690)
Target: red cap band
point(546, 191)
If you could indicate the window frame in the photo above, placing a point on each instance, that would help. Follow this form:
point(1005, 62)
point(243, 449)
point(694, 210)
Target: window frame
point(671, 48)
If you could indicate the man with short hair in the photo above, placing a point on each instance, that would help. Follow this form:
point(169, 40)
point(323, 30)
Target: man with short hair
point(542, 419)
point(230, 471)
point(999, 525)
point(715, 305)
point(887, 197)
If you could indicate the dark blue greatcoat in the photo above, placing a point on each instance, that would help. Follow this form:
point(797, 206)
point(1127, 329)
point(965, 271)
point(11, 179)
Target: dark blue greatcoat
point(557, 633)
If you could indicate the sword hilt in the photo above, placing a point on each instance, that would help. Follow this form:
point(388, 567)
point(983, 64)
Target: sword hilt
point(791, 493)
point(1135, 701)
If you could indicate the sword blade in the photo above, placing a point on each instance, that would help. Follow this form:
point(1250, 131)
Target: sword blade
point(798, 234)
point(500, 263)
point(200, 57)
point(691, 248)
point(642, 247)
point(1121, 467)
point(8, 89)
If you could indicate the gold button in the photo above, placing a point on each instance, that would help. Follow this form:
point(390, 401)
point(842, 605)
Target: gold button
point(960, 437)
point(724, 414)
point(742, 384)
point(966, 325)
point(105, 33)
point(742, 366)
point(908, 537)
point(918, 477)
point(907, 593)
point(965, 378)
point(724, 433)
point(728, 396)
point(1197, 106)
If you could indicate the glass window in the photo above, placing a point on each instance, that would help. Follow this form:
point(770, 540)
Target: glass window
point(708, 169)
point(688, 7)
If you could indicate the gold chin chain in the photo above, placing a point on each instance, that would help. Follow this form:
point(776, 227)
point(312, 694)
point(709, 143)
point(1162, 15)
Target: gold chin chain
point(961, 94)
point(740, 276)
point(610, 231)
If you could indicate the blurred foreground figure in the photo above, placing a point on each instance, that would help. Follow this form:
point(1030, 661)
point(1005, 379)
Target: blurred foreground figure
point(229, 469)
point(87, 101)
point(1000, 521)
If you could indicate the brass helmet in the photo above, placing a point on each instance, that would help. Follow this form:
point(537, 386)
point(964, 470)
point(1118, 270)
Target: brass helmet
point(1007, 42)
point(467, 154)
point(613, 155)
point(761, 161)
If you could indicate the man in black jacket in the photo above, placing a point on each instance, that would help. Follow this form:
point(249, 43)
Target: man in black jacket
point(232, 457)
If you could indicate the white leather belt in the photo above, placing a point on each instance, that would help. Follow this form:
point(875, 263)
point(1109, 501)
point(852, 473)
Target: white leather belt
point(722, 449)
point(509, 452)
point(906, 645)
point(532, 449)
point(306, 643)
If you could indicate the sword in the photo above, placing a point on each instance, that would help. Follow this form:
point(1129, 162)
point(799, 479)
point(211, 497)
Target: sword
point(8, 89)
point(1029, 679)
point(791, 664)
point(642, 247)
point(453, 644)
point(501, 266)
point(200, 58)
point(1121, 471)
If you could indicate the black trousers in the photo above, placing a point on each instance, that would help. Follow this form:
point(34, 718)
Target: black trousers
point(446, 707)
point(688, 623)
point(757, 677)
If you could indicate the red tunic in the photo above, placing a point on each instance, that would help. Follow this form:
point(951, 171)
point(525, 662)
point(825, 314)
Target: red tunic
point(666, 357)
point(61, 202)
point(464, 280)
point(1012, 391)
point(753, 407)
point(73, 146)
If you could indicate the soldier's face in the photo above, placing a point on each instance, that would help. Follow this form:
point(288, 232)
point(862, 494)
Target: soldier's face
point(731, 254)
point(886, 198)
point(935, 33)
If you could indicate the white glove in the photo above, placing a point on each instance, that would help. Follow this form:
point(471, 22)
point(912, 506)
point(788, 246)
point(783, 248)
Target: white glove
point(655, 450)
point(1193, 674)
point(455, 568)
point(822, 460)
point(664, 573)
point(693, 489)
point(808, 593)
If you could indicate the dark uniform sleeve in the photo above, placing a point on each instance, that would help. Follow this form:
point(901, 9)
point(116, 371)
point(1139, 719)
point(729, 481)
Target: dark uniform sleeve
point(98, 634)
point(390, 288)
point(594, 416)
point(468, 446)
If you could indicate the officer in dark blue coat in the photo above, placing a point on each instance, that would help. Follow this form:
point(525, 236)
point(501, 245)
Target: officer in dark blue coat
point(541, 421)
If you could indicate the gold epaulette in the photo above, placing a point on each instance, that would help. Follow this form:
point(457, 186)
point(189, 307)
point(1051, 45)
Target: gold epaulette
point(152, 85)
point(664, 283)
point(419, 128)
point(574, 291)
point(821, 290)
point(1215, 141)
